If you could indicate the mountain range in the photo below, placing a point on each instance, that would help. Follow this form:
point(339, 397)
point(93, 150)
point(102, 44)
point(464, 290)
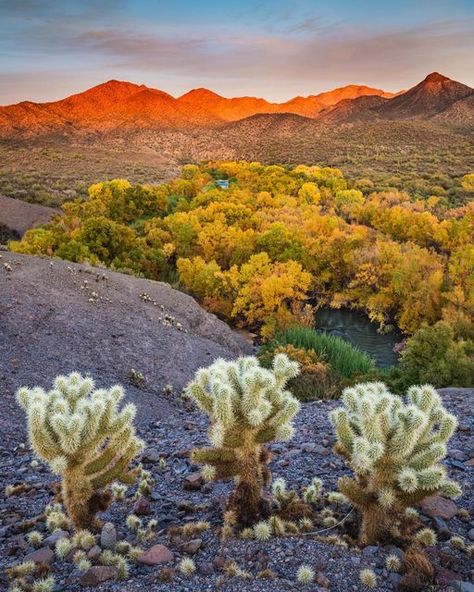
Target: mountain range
point(124, 106)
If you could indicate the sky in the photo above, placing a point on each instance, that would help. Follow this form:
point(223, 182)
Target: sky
point(275, 49)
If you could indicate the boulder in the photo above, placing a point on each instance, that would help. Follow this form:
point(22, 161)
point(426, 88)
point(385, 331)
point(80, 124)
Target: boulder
point(156, 555)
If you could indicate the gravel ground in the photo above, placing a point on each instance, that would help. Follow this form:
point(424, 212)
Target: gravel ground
point(309, 454)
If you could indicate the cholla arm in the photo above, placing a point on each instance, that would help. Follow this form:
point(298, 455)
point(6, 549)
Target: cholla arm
point(119, 468)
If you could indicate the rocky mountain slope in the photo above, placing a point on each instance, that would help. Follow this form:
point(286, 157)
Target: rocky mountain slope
point(117, 105)
point(56, 317)
point(436, 97)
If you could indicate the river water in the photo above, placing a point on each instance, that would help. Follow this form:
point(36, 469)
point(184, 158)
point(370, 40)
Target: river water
point(356, 328)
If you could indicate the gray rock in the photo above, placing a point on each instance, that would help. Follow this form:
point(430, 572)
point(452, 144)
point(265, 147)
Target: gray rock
point(94, 553)
point(108, 536)
point(151, 455)
point(52, 539)
point(370, 550)
point(458, 455)
point(463, 586)
point(192, 547)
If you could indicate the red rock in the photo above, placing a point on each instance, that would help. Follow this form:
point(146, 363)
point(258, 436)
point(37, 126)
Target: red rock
point(193, 482)
point(445, 577)
point(322, 580)
point(142, 507)
point(43, 555)
point(436, 506)
point(97, 574)
point(469, 463)
point(218, 562)
point(156, 555)
point(94, 553)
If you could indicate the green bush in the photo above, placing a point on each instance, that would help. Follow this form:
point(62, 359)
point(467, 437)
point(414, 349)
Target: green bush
point(344, 358)
point(434, 356)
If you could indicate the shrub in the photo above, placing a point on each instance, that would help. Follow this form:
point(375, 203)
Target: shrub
point(316, 379)
point(248, 406)
point(85, 439)
point(343, 357)
point(394, 450)
point(433, 355)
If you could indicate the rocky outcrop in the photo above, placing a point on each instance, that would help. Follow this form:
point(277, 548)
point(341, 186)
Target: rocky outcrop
point(57, 316)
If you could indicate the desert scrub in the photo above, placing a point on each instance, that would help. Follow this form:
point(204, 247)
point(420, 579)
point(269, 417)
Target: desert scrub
point(344, 358)
point(394, 449)
point(85, 439)
point(316, 380)
point(290, 505)
point(249, 407)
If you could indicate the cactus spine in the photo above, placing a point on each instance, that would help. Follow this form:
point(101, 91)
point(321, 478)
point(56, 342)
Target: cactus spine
point(85, 439)
point(249, 407)
point(394, 449)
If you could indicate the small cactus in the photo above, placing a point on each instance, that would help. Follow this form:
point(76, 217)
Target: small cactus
point(457, 542)
point(249, 407)
point(187, 567)
point(85, 439)
point(44, 584)
point(63, 547)
point(368, 578)
point(262, 531)
point(394, 450)
point(426, 536)
point(305, 574)
point(35, 538)
point(393, 563)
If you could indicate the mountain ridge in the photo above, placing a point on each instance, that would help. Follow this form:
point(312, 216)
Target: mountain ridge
point(125, 106)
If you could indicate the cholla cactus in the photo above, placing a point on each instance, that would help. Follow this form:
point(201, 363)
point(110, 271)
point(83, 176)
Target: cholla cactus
point(85, 439)
point(249, 407)
point(394, 450)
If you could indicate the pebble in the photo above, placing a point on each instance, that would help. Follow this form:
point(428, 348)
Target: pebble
point(193, 482)
point(192, 547)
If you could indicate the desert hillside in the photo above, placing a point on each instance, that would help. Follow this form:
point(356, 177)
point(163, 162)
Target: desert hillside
point(57, 317)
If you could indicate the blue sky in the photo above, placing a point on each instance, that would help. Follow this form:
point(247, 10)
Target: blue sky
point(271, 48)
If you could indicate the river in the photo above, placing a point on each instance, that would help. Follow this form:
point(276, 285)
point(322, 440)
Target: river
point(356, 328)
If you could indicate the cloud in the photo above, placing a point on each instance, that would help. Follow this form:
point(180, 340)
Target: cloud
point(390, 55)
point(301, 54)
